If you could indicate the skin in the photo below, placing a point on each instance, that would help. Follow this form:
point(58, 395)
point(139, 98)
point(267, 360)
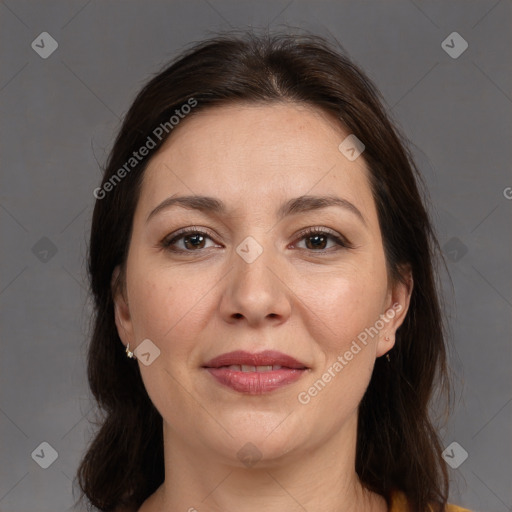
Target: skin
point(208, 301)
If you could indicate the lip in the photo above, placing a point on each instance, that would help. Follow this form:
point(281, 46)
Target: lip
point(255, 382)
point(265, 358)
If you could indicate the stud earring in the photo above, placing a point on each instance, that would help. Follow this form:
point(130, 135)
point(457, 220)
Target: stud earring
point(129, 353)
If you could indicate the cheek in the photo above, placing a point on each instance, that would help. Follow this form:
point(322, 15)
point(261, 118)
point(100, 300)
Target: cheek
point(337, 320)
point(347, 303)
point(169, 304)
point(167, 309)
point(152, 297)
point(339, 305)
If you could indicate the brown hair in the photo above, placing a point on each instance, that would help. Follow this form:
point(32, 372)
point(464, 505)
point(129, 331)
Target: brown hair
point(398, 447)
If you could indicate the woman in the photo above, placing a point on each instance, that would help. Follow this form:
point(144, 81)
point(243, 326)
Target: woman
point(268, 332)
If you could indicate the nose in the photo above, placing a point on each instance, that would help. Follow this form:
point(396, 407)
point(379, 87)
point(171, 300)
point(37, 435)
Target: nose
point(256, 292)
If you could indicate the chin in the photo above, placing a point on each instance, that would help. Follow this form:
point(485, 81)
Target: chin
point(261, 437)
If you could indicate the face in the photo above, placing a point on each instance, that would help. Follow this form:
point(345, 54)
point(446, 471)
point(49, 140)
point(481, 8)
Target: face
point(264, 272)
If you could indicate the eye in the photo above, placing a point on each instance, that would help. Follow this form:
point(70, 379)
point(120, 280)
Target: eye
point(192, 240)
point(316, 239)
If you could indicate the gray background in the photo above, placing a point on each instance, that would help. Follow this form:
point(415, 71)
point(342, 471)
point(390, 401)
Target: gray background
point(59, 116)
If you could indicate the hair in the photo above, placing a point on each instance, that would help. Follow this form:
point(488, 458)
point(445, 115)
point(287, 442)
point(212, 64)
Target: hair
point(398, 447)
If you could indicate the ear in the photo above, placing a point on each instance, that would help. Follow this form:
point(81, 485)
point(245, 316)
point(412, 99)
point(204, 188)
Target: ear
point(121, 307)
point(396, 307)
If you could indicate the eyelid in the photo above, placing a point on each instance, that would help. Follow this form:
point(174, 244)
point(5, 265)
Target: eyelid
point(166, 242)
point(340, 240)
point(316, 229)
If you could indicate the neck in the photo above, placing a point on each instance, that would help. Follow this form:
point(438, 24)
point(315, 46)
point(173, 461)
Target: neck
point(324, 478)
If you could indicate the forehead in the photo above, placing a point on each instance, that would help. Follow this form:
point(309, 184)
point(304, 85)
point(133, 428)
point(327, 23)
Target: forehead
point(251, 154)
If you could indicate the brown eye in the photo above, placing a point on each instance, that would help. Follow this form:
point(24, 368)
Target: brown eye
point(191, 240)
point(316, 240)
point(195, 241)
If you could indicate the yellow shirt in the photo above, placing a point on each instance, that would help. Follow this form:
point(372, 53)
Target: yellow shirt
point(399, 504)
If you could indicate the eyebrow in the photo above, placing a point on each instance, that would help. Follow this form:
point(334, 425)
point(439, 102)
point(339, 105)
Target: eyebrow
point(293, 206)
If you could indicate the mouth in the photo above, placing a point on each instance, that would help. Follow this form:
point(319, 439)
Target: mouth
point(255, 374)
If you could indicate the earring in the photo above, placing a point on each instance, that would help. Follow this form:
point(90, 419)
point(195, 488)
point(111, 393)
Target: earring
point(387, 354)
point(129, 353)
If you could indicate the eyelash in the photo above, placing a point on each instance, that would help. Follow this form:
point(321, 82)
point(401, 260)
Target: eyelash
point(342, 242)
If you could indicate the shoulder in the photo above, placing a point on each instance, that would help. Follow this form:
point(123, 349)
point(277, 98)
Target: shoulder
point(399, 503)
